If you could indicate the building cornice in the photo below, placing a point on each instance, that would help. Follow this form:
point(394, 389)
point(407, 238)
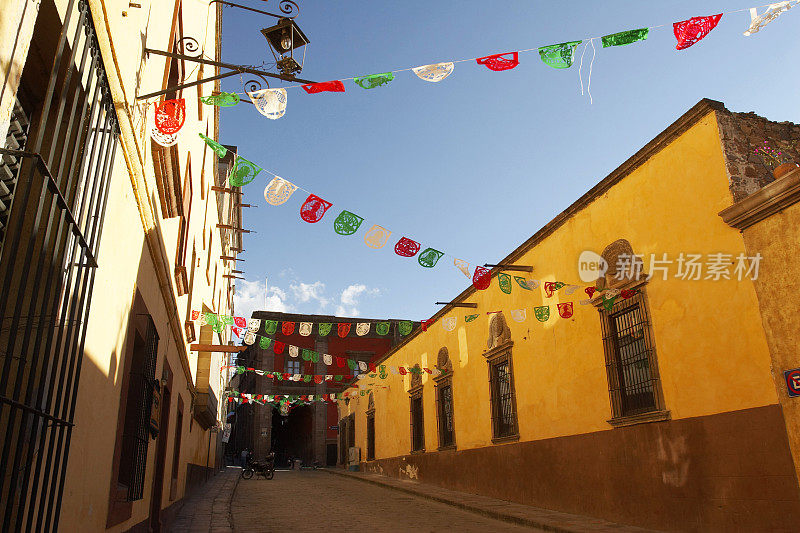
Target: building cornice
point(770, 199)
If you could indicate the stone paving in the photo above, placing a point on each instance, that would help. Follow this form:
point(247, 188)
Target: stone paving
point(208, 510)
point(307, 500)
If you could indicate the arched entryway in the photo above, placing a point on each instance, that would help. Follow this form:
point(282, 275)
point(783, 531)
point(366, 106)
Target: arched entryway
point(292, 435)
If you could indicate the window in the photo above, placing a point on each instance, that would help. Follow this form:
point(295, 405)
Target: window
point(504, 416)
point(417, 428)
point(138, 403)
point(444, 396)
point(633, 382)
point(176, 449)
point(371, 435)
point(501, 380)
point(444, 400)
point(292, 366)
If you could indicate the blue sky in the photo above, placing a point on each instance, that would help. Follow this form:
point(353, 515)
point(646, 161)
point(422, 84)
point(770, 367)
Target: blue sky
point(475, 164)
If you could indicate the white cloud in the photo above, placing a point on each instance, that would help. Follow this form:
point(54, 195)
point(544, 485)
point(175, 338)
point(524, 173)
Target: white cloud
point(249, 297)
point(306, 292)
point(348, 301)
point(299, 298)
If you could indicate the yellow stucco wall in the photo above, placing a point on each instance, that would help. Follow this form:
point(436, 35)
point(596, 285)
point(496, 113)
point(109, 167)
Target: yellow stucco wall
point(127, 265)
point(710, 345)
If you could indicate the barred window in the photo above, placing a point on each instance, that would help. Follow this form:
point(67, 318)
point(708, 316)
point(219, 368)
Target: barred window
point(504, 413)
point(417, 422)
point(371, 436)
point(444, 396)
point(292, 366)
point(633, 381)
point(139, 400)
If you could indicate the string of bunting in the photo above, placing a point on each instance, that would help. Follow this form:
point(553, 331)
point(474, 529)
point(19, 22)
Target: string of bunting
point(272, 102)
point(263, 399)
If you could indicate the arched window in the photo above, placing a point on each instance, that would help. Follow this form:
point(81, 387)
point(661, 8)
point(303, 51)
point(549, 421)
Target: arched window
point(417, 420)
point(371, 428)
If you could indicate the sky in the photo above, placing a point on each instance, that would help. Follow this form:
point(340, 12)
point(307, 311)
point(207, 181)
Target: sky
point(477, 163)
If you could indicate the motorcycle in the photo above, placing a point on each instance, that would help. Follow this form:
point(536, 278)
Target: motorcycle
point(257, 468)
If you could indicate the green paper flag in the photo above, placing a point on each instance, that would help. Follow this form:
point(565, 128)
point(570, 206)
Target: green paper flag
point(351, 364)
point(338, 377)
point(382, 328)
point(264, 343)
point(271, 326)
point(504, 280)
point(542, 313)
point(382, 372)
point(220, 150)
point(306, 355)
point(307, 378)
point(429, 257)
point(324, 328)
point(243, 172)
point(405, 327)
point(608, 303)
point(559, 55)
point(240, 370)
point(221, 99)
point(347, 223)
point(470, 318)
point(373, 80)
point(625, 37)
point(521, 282)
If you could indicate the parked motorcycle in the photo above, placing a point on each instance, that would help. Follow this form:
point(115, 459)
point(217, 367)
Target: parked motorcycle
point(257, 468)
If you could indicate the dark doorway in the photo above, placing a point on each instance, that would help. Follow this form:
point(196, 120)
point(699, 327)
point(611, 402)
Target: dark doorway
point(292, 435)
point(330, 460)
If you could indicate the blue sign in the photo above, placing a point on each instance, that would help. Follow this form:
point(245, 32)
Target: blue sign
point(792, 378)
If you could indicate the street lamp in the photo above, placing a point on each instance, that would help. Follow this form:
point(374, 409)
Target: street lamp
point(283, 39)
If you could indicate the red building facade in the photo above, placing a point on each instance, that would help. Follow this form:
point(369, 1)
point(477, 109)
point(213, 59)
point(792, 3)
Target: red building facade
point(309, 432)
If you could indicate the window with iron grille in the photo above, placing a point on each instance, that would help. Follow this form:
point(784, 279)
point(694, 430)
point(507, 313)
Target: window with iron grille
point(444, 412)
point(371, 435)
point(417, 422)
point(633, 382)
point(136, 431)
point(504, 412)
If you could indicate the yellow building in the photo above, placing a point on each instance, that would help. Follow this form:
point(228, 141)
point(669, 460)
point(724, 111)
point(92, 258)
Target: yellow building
point(658, 401)
point(109, 240)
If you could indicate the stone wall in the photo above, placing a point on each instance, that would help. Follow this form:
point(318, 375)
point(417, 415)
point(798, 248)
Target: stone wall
point(741, 134)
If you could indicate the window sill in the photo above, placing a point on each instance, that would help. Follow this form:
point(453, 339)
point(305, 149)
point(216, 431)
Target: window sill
point(445, 448)
point(654, 416)
point(418, 452)
point(509, 438)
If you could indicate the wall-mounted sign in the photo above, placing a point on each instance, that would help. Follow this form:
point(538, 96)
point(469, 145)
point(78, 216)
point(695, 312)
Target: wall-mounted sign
point(792, 378)
point(334, 428)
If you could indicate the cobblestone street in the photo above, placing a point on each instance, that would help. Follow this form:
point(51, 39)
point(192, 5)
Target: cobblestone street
point(318, 501)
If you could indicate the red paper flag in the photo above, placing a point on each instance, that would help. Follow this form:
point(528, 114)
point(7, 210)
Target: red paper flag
point(590, 291)
point(340, 361)
point(240, 322)
point(195, 315)
point(344, 329)
point(425, 324)
point(287, 328)
point(170, 116)
point(318, 379)
point(689, 32)
point(481, 278)
point(498, 62)
point(286, 376)
point(334, 86)
point(626, 293)
point(565, 310)
point(405, 247)
point(373, 367)
point(402, 371)
point(313, 209)
point(278, 347)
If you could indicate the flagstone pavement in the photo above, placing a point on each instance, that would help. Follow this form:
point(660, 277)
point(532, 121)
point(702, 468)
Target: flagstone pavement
point(334, 499)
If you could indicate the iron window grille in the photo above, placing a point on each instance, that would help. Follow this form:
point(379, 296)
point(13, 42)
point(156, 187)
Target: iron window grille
point(417, 422)
point(633, 380)
point(49, 257)
point(141, 386)
point(504, 411)
point(444, 413)
point(292, 367)
point(371, 435)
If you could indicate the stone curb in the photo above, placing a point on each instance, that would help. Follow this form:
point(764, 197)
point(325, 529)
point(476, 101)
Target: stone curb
point(591, 523)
